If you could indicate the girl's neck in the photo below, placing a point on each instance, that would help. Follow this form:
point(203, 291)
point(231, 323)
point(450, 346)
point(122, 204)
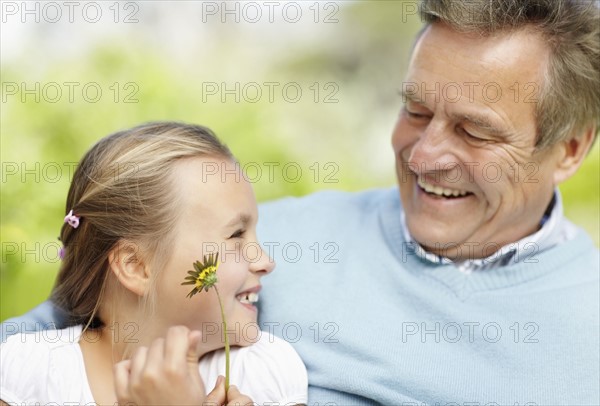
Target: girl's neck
point(104, 347)
point(99, 358)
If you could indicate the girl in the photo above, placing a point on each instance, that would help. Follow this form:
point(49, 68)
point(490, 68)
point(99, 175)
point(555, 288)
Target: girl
point(143, 206)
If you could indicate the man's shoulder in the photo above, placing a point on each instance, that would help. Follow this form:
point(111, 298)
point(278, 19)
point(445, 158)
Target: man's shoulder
point(584, 249)
point(324, 213)
point(45, 316)
point(329, 202)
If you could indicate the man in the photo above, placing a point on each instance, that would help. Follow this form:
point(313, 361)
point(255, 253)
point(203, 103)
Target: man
point(466, 285)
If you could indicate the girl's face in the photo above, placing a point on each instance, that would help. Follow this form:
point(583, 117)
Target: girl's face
point(218, 214)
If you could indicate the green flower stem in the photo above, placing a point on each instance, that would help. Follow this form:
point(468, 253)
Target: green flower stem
point(226, 341)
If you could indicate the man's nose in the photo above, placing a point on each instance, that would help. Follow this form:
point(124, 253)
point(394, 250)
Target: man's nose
point(432, 151)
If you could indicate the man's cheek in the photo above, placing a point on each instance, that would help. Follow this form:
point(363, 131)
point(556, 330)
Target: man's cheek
point(401, 136)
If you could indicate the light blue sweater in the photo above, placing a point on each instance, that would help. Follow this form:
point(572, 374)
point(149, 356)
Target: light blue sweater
point(377, 325)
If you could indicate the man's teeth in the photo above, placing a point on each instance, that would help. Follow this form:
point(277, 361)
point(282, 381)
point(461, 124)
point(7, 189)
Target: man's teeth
point(248, 298)
point(440, 191)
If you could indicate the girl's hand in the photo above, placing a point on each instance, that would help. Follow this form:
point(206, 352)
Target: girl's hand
point(166, 373)
point(234, 397)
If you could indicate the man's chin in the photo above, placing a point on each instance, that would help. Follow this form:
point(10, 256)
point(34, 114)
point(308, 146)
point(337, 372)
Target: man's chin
point(441, 240)
point(430, 231)
point(457, 248)
point(447, 249)
point(434, 244)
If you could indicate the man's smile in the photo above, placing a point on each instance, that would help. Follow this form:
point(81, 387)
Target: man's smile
point(441, 191)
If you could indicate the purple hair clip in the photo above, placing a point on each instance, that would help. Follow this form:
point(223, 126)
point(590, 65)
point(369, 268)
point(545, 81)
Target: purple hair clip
point(72, 219)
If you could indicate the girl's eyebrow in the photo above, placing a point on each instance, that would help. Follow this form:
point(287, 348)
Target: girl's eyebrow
point(242, 218)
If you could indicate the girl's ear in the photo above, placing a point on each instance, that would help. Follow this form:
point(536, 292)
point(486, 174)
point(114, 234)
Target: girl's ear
point(574, 150)
point(126, 263)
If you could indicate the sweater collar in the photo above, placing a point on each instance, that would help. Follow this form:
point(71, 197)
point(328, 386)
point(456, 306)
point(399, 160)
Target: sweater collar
point(569, 246)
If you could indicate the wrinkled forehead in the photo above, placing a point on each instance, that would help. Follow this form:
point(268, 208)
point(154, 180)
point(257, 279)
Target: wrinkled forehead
point(500, 71)
point(506, 55)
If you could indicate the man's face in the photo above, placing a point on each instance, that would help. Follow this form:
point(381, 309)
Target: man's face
point(470, 179)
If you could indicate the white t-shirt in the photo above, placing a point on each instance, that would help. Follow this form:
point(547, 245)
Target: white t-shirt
point(47, 367)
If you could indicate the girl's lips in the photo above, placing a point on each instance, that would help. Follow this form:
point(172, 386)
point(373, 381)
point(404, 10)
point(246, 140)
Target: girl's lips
point(254, 289)
point(250, 307)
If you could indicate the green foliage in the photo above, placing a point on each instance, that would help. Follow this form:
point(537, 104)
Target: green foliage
point(342, 145)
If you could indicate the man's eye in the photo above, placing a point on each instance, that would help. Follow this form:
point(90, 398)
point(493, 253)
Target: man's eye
point(418, 116)
point(238, 234)
point(468, 134)
point(471, 136)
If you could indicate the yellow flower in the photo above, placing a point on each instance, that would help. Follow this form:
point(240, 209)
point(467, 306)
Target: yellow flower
point(204, 275)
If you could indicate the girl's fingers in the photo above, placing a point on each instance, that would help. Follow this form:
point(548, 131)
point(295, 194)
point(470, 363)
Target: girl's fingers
point(156, 356)
point(155, 361)
point(121, 371)
point(138, 362)
point(234, 397)
point(193, 350)
point(176, 347)
point(217, 395)
point(193, 354)
point(150, 378)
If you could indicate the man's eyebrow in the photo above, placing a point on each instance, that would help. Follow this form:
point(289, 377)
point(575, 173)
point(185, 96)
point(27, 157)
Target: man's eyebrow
point(409, 97)
point(242, 218)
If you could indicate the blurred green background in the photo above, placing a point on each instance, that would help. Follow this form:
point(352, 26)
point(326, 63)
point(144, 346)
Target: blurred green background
point(347, 58)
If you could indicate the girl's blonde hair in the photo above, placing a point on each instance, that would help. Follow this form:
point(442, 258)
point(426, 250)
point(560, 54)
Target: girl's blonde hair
point(122, 191)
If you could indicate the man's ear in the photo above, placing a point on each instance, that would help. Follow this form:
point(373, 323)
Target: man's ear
point(572, 153)
point(125, 262)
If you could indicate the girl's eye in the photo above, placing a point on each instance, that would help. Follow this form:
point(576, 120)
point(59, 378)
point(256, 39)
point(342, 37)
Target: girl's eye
point(238, 234)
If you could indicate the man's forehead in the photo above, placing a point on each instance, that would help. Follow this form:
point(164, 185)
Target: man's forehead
point(449, 62)
point(491, 52)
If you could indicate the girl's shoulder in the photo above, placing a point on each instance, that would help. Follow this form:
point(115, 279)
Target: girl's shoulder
point(43, 366)
point(268, 371)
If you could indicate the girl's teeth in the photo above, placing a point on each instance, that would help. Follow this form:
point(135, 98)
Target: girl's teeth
point(248, 298)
